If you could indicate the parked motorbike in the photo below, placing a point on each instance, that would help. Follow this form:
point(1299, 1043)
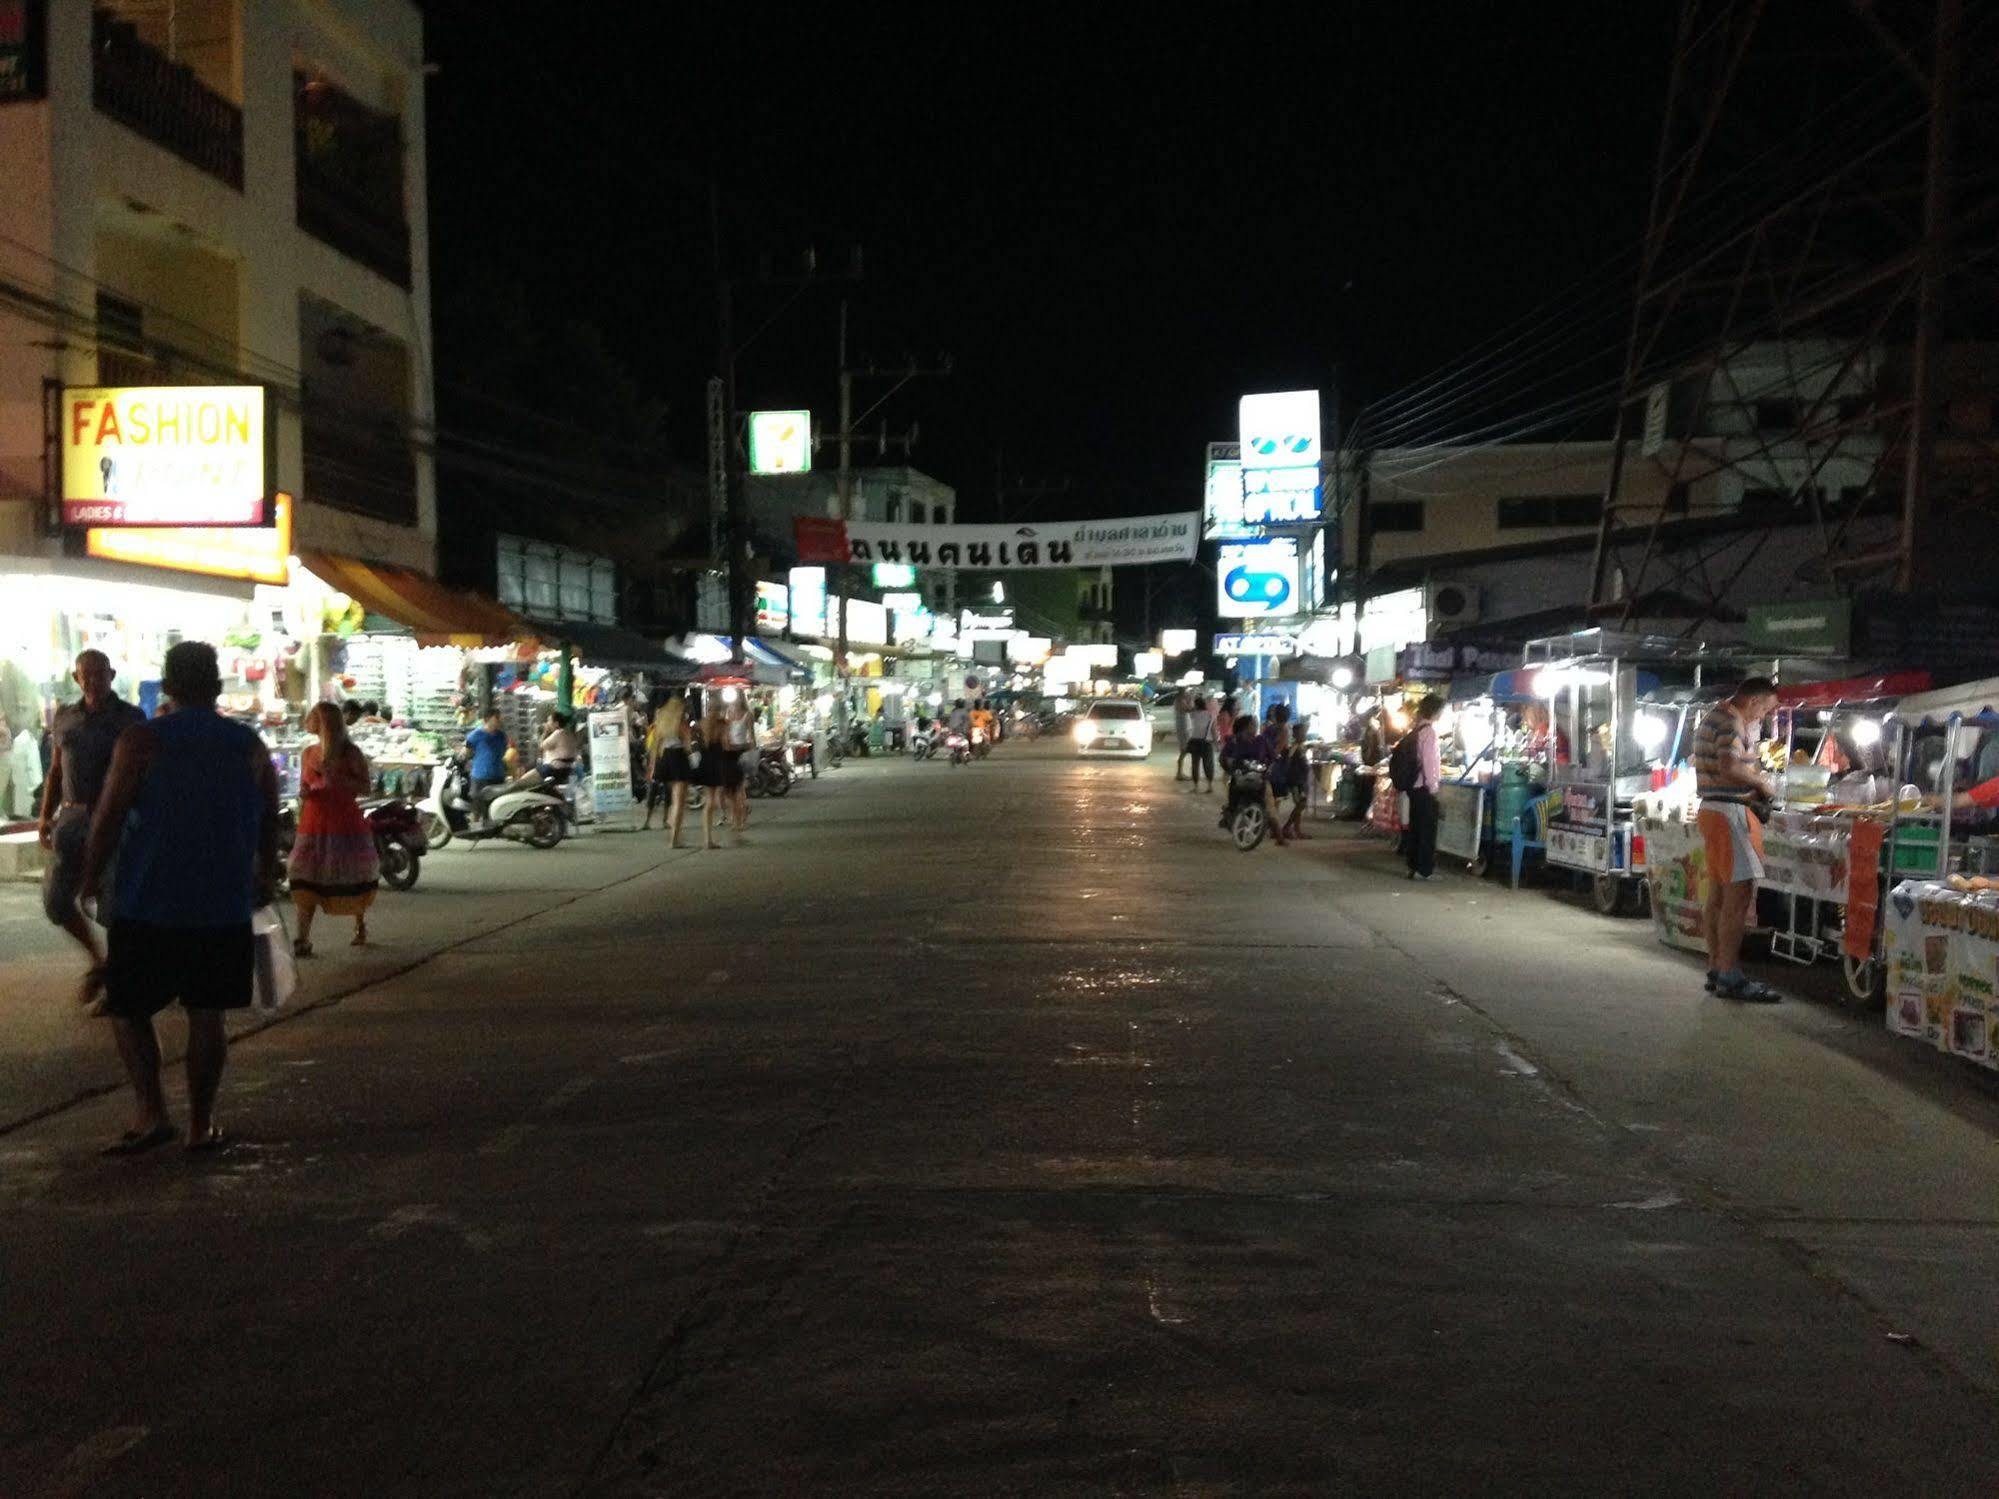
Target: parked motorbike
point(770, 774)
point(525, 809)
point(400, 841)
point(1244, 814)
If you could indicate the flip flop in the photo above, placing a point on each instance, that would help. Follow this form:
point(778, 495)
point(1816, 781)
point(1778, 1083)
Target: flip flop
point(133, 1142)
point(208, 1143)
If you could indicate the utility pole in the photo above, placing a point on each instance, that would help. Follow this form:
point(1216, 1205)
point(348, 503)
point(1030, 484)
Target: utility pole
point(725, 473)
point(839, 574)
point(1932, 263)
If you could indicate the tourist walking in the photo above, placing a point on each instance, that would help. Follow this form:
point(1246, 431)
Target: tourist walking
point(196, 802)
point(334, 866)
point(672, 763)
point(85, 735)
point(1200, 747)
point(1183, 704)
point(718, 766)
point(739, 742)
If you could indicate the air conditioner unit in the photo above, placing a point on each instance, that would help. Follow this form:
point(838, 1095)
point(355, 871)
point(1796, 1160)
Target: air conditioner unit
point(1451, 606)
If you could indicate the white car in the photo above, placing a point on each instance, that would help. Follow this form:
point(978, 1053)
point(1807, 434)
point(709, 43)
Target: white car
point(1114, 726)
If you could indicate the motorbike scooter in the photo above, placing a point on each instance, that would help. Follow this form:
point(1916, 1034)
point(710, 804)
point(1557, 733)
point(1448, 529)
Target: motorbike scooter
point(923, 741)
point(958, 747)
point(526, 809)
point(1244, 814)
point(400, 841)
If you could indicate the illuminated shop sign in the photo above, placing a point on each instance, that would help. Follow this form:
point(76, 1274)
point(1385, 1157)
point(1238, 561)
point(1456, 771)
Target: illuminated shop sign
point(164, 455)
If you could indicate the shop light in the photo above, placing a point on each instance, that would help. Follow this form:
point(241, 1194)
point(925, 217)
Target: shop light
point(1648, 730)
point(730, 694)
point(1085, 732)
point(825, 702)
point(936, 699)
point(1551, 680)
point(1867, 732)
point(999, 593)
point(1343, 677)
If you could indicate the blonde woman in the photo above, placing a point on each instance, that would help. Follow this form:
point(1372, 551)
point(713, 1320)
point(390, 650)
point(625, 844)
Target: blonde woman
point(333, 865)
point(671, 765)
point(721, 773)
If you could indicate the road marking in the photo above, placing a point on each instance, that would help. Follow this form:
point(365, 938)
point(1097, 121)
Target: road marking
point(1651, 1204)
point(569, 1092)
point(1514, 1060)
point(1153, 1304)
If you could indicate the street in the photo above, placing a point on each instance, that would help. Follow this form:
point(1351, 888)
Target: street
point(998, 1130)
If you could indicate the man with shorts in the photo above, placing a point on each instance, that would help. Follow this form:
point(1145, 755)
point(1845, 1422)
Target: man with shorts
point(1731, 833)
point(199, 855)
point(84, 736)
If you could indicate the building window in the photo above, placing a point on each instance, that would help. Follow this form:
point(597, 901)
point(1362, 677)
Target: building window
point(892, 511)
point(1679, 499)
point(1394, 515)
point(1522, 512)
point(354, 415)
point(915, 513)
point(121, 342)
point(349, 168)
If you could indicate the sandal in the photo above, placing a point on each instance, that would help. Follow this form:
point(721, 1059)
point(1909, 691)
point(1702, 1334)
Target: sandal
point(138, 1142)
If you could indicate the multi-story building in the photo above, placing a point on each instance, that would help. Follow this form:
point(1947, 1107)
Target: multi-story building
point(200, 194)
point(1741, 476)
point(897, 495)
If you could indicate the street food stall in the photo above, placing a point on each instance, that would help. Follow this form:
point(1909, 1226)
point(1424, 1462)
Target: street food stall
point(1488, 735)
point(1616, 712)
point(1931, 944)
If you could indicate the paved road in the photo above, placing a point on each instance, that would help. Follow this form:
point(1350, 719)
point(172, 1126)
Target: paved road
point(998, 1130)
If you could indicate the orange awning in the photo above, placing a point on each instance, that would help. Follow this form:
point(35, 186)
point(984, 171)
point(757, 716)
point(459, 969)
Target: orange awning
point(434, 613)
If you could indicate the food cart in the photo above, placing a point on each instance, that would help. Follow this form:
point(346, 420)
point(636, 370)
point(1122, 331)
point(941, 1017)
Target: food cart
point(1832, 758)
point(1928, 944)
point(1489, 774)
point(1617, 708)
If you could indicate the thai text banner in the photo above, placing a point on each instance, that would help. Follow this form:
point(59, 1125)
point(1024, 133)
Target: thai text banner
point(1084, 543)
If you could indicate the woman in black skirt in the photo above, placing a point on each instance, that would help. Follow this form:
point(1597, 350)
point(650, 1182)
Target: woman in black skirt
point(719, 770)
point(672, 767)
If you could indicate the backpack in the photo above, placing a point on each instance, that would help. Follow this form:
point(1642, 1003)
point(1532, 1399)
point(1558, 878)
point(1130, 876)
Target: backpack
point(1405, 768)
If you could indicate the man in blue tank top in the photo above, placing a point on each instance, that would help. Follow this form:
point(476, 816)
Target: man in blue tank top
point(190, 808)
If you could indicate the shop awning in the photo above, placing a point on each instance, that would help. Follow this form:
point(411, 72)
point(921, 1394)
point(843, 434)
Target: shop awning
point(1972, 700)
point(1851, 690)
point(611, 647)
point(435, 613)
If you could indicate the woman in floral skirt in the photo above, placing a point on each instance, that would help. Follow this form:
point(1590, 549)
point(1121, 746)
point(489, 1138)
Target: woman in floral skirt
point(333, 865)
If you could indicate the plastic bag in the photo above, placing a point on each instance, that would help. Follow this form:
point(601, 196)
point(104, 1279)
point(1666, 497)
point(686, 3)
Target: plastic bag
point(277, 969)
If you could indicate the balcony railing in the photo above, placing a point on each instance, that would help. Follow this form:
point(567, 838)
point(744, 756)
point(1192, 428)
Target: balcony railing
point(333, 214)
point(370, 470)
point(350, 177)
point(143, 89)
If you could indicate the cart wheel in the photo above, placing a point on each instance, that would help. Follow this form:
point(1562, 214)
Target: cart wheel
point(1607, 894)
point(1863, 979)
point(1479, 866)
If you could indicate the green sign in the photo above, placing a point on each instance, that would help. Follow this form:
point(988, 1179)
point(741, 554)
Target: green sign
point(1823, 626)
point(894, 575)
point(780, 442)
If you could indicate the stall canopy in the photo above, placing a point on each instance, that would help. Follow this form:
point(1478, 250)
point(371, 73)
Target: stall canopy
point(434, 613)
point(1972, 700)
point(611, 647)
point(1851, 690)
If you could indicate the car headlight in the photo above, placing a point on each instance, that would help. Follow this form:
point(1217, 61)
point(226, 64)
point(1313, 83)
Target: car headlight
point(1085, 732)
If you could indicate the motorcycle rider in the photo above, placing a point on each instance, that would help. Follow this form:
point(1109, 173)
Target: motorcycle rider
point(559, 749)
point(960, 721)
point(1244, 746)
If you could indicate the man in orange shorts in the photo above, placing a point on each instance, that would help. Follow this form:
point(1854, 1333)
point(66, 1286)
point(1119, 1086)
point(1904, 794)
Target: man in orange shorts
point(1731, 833)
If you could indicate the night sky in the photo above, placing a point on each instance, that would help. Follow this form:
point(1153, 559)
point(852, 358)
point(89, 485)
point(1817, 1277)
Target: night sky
point(1112, 228)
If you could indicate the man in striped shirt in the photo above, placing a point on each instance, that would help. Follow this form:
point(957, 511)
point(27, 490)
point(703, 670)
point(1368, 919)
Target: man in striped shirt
point(1731, 834)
